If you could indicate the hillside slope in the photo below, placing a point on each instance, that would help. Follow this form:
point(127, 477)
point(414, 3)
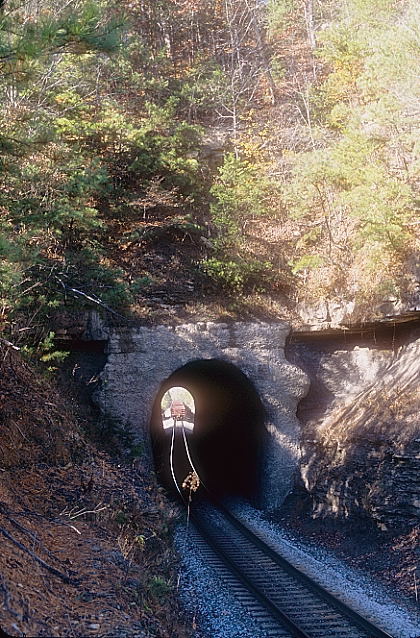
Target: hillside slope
point(84, 537)
point(168, 159)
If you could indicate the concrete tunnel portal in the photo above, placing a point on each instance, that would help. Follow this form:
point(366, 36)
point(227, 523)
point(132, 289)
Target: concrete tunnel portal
point(226, 439)
point(140, 358)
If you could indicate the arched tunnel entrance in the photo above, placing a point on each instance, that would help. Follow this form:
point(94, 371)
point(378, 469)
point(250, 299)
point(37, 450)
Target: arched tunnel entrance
point(225, 441)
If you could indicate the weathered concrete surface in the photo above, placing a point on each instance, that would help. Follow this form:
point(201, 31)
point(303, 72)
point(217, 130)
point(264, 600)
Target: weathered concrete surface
point(140, 359)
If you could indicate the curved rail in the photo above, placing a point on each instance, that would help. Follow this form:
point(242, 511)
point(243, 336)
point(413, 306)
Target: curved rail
point(291, 599)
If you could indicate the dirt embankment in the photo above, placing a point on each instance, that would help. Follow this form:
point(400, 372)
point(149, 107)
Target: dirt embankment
point(84, 537)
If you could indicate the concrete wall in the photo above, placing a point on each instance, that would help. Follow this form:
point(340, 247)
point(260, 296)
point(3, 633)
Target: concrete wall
point(140, 359)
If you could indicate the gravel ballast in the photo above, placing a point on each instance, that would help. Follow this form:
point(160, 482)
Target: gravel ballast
point(207, 598)
point(219, 615)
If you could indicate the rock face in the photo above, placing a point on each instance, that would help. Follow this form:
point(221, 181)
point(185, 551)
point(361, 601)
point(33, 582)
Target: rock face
point(140, 359)
point(329, 313)
point(361, 433)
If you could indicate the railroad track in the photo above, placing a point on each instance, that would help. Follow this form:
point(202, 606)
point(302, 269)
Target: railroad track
point(284, 601)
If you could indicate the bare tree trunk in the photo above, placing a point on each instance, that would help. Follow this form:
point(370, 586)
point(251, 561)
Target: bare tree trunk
point(235, 69)
point(309, 19)
point(244, 59)
point(262, 49)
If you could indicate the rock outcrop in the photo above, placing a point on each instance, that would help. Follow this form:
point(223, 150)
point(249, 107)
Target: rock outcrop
point(361, 433)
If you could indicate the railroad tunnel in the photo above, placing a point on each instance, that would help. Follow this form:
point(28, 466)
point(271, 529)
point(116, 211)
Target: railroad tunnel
point(222, 438)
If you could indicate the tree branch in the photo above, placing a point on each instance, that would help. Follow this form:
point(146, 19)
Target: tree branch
point(92, 299)
point(39, 560)
point(8, 344)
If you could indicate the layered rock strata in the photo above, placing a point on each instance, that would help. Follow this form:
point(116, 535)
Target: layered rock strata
point(361, 433)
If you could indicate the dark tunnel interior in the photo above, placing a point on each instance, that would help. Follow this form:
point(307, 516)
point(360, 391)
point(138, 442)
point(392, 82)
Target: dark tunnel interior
point(225, 444)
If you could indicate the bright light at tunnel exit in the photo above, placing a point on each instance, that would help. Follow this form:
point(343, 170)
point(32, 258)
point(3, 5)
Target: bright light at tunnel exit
point(178, 409)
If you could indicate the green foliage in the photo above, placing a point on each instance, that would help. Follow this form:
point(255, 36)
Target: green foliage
point(305, 262)
point(238, 276)
point(49, 353)
point(140, 541)
point(82, 135)
point(46, 353)
point(140, 284)
point(277, 68)
point(241, 192)
point(359, 191)
point(162, 145)
point(204, 89)
point(121, 518)
point(24, 43)
point(353, 178)
point(102, 118)
point(49, 184)
point(280, 16)
point(159, 587)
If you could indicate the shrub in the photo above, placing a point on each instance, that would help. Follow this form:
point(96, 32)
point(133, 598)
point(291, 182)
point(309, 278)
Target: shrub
point(238, 276)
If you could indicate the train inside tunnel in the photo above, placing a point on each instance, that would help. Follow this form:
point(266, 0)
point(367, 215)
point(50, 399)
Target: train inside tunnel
point(207, 423)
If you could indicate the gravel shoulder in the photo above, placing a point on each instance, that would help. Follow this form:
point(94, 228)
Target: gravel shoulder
point(218, 615)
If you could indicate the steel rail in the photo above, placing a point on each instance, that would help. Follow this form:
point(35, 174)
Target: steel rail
point(303, 579)
point(350, 614)
point(278, 614)
point(354, 616)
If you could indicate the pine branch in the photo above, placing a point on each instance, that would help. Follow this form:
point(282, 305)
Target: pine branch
point(39, 560)
point(95, 299)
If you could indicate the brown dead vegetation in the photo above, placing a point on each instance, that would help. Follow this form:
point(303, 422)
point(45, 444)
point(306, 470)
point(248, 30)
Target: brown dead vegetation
point(85, 539)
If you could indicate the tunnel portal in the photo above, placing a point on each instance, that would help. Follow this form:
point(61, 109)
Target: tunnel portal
point(225, 441)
